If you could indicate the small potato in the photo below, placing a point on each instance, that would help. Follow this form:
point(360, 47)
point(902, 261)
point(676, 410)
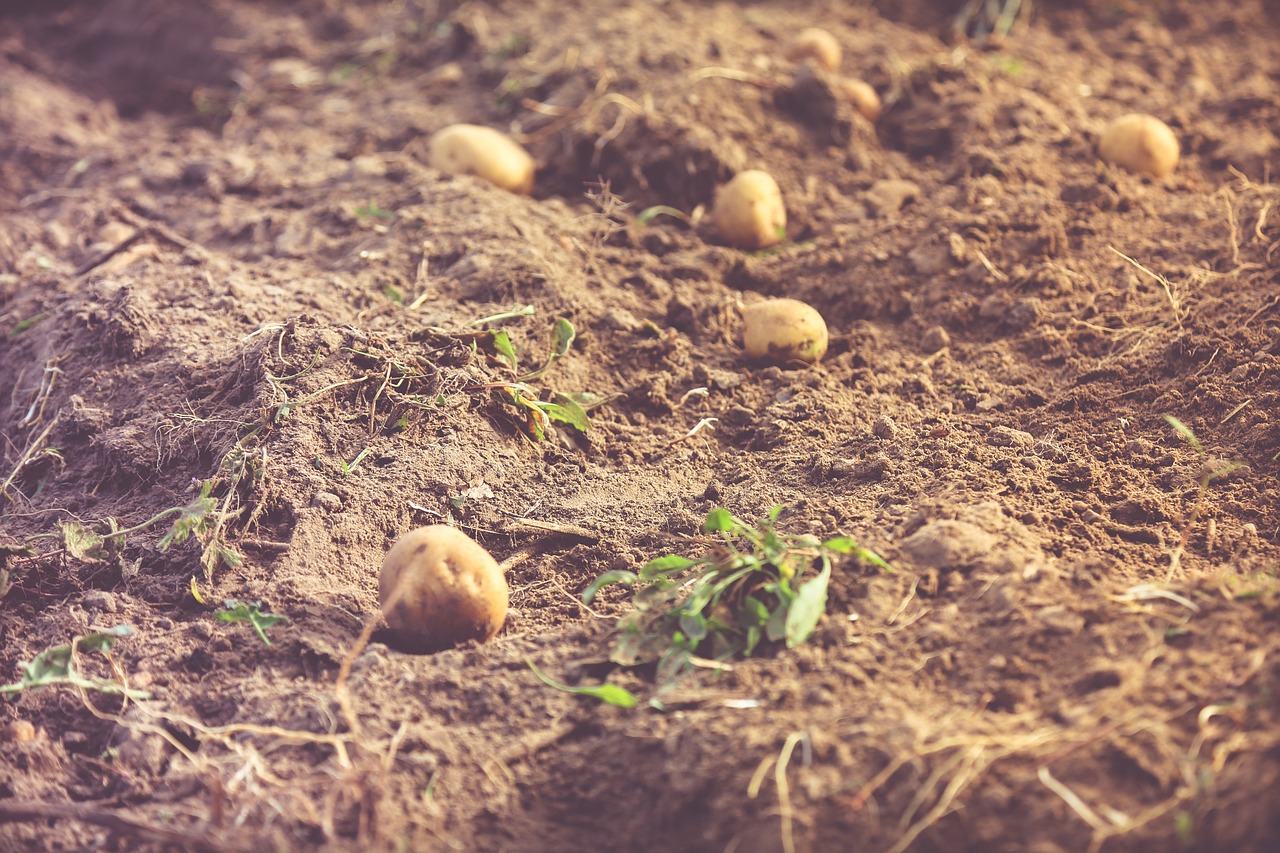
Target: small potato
point(818, 45)
point(439, 588)
point(749, 212)
point(862, 96)
point(782, 330)
point(1140, 143)
point(469, 149)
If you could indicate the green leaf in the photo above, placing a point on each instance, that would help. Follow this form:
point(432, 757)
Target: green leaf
point(102, 641)
point(694, 626)
point(869, 556)
point(754, 613)
point(719, 520)
point(650, 213)
point(502, 343)
point(841, 545)
point(664, 566)
point(238, 612)
point(81, 543)
point(807, 608)
point(562, 336)
point(610, 694)
point(56, 665)
point(1185, 431)
point(776, 628)
point(568, 412)
point(612, 576)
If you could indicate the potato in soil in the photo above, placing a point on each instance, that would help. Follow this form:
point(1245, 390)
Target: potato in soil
point(749, 212)
point(439, 588)
point(818, 45)
point(783, 330)
point(470, 149)
point(1140, 143)
point(863, 97)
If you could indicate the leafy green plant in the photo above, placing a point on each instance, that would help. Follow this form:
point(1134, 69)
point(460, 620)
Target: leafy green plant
point(758, 587)
point(236, 611)
point(522, 393)
point(57, 665)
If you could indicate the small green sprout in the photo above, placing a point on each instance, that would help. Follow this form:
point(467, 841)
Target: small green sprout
point(611, 694)
point(373, 211)
point(235, 611)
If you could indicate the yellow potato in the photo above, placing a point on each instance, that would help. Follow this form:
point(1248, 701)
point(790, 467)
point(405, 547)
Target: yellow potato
point(469, 149)
point(749, 213)
point(1140, 143)
point(818, 45)
point(782, 330)
point(862, 96)
point(439, 588)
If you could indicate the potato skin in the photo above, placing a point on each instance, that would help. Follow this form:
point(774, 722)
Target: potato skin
point(470, 149)
point(782, 330)
point(448, 590)
point(749, 212)
point(863, 97)
point(818, 45)
point(1140, 143)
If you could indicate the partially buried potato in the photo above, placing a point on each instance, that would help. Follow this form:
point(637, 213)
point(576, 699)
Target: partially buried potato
point(470, 149)
point(440, 588)
point(863, 97)
point(818, 45)
point(782, 330)
point(748, 211)
point(1140, 143)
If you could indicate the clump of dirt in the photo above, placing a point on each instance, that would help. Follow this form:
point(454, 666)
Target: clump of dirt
point(248, 341)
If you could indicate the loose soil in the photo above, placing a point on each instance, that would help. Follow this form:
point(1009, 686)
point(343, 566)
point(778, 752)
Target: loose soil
point(225, 265)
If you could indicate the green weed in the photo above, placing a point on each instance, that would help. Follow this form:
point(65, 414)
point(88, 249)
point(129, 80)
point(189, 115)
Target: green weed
point(235, 611)
point(757, 588)
point(57, 665)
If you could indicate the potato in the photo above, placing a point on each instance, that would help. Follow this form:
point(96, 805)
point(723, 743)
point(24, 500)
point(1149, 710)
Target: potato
point(818, 45)
point(749, 212)
point(439, 588)
point(782, 330)
point(862, 96)
point(1140, 143)
point(469, 149)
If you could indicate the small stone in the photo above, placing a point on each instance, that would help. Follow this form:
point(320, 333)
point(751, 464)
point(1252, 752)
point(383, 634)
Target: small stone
point(20, 731)
point(994, 307)
point(327, 501)
point(875, 467)
point(884, 427)
point(888, 196)
point(934, 340)
point(1003, 436)
point(1057, 619)
point(1024, 314)
point(98, 600)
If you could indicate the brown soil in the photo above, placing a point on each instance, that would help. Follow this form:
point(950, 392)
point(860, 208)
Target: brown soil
point(225, 262)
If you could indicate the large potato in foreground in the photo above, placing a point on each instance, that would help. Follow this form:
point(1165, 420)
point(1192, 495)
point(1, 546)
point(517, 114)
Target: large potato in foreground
point(783, 330)
point(439, 588)
point(818, 45)
point(469, 149)
point(1140, 143)
point(749, 212)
